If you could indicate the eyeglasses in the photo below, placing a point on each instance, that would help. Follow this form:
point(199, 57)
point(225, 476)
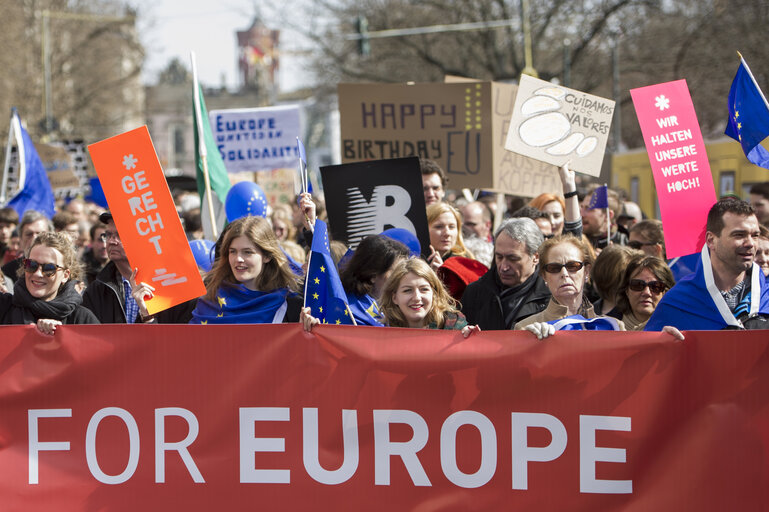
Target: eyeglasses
point(635, 244)
point(571, 266)
point(49, 269)
point(638, 285)
point(108, 235)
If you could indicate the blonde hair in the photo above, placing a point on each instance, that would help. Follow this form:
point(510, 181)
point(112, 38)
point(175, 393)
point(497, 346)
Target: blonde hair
point(442, 302)
point(282, 212)
point(434, 211)
point(275, 272)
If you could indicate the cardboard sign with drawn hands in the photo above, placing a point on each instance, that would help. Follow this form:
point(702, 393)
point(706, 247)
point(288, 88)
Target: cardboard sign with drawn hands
point(556, 125)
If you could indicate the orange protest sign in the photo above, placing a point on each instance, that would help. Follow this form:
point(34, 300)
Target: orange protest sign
point(146, 218)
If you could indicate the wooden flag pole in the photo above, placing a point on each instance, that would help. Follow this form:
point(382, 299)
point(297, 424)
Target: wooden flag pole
point(202, 152)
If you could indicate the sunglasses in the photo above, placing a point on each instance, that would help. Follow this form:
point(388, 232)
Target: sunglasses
point(571, 266)
point(635, 244)
point(107, 235)
point(637, 285)
point(48, 269)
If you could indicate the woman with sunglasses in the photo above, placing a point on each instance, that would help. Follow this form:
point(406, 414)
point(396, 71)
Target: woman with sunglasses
point(564, 264)
point(47, 295)
point(645, 281)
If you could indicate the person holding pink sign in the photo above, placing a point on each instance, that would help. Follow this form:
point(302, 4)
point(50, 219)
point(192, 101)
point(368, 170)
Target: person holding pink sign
point(728, 290)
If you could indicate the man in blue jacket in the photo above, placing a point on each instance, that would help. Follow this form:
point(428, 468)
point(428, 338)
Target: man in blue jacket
point(728, 290)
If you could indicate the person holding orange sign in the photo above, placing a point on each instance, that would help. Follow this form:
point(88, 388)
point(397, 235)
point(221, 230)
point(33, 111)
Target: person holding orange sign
point(115, 298)
point(250, 282)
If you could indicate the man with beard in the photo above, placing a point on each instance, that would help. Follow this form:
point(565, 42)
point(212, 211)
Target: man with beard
point(596, 220)
point(728, 290)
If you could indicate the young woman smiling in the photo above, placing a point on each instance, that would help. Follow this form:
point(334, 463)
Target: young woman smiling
point(47, 296)
point(414, 297)
point(251, 282)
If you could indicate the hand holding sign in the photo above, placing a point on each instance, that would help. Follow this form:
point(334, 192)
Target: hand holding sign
point(141, 293)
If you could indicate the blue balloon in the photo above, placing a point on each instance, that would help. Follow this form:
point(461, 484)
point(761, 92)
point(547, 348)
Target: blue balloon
point(405, 237)
point(203, 251)
point(245, 198)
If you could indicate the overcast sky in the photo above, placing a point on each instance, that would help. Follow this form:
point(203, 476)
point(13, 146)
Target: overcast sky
point(171, 28)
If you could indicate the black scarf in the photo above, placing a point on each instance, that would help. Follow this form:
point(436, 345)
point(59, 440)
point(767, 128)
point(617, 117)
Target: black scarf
point(29, 309)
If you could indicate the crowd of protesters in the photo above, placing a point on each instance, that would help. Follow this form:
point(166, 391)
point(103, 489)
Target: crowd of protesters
point(555, 262)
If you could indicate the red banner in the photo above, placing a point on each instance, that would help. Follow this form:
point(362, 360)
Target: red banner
point(354, 418)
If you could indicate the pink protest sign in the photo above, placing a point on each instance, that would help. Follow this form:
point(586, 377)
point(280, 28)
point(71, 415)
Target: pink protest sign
point(679, 163)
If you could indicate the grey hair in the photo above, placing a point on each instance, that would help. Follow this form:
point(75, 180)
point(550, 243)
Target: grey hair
point(31, 216)
point(524, 230)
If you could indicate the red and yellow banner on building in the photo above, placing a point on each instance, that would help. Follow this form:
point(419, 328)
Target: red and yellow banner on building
point(353, 418)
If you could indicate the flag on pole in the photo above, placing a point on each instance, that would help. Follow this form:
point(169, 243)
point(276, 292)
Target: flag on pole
point(210, 166)
point(600, 198)
point(748, 116)
point(35, 192)
point(323, 292)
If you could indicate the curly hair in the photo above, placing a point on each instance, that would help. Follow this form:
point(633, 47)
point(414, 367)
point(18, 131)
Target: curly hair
point(657, 267)
point(442, 302)
point(715, 222)
point(62, 243)
point(275, 272)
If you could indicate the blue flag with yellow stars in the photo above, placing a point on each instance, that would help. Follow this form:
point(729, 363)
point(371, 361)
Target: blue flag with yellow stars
point(323, 292)
point(36, 192)
point(600, 198)
point(748, 116)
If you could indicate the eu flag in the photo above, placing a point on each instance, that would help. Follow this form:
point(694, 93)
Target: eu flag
point(323, 292)
point(600, 198)
point(748, 116)
point(36, 192)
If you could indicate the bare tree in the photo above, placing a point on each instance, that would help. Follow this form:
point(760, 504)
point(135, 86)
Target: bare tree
point(94, 65)
point(657, 40)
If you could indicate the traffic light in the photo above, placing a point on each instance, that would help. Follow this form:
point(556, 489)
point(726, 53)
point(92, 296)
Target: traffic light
point(364, 43)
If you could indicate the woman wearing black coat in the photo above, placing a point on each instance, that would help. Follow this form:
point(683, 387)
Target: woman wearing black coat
point(47, 295)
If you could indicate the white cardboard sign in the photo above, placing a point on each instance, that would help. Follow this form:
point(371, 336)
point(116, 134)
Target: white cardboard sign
point(555, 124)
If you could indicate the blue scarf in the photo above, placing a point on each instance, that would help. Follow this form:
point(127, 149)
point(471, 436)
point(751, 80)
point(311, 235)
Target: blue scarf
point(684, 265)
point(695, 304)
point(365, 310)
point(239, 305)
point(580, 323)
